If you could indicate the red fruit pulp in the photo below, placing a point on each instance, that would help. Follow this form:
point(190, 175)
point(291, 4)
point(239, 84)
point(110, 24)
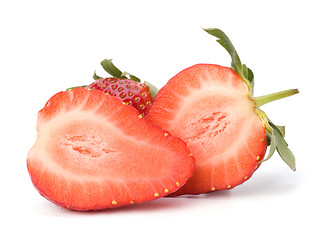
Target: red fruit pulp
point(92, 152)
point(208, 106)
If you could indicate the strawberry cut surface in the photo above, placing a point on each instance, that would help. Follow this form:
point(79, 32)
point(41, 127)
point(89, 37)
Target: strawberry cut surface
point(92, 152)
point(208, 106)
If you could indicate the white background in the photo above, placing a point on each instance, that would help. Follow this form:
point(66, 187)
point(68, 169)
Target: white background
point(47, 46)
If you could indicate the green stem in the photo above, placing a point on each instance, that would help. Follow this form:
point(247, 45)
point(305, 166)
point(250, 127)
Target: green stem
point(274, 96)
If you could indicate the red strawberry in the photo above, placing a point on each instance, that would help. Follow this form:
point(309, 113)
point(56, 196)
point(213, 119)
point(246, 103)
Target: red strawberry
point(93, 152)
point(212, 109)
point(131, 91)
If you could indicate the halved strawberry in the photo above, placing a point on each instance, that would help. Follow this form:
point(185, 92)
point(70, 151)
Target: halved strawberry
point(93, 152)
point(212, 109)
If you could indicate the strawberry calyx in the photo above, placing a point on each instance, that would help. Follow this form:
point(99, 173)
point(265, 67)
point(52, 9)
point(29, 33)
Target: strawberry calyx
point(275, 134)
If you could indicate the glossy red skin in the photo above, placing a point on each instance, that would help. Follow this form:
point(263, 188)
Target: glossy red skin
point(132, 93)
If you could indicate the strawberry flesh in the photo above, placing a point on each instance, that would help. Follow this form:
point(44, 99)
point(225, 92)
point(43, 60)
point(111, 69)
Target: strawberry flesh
point(208, 106)
point(93, 152)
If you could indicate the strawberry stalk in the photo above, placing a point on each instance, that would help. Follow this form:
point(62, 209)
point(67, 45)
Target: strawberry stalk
point(274, 96)
point(275, 133)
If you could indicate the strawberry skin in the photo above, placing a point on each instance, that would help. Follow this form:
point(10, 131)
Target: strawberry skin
point(132, 93)
point(208, 106)
point(93, 152)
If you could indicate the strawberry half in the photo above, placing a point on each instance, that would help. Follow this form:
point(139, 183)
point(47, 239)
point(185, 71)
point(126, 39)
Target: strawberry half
point(93, 152)
point(212, 109)
point(126, 87)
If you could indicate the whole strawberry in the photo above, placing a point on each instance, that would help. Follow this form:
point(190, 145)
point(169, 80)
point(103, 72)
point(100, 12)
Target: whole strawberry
point(125, 87)
point(132, 93)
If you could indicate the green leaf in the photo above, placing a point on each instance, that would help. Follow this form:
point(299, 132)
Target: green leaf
point(248, 74)
point(282, 148)
point(278, 143)
point(111, 68)
point(95, 76)
point(273, 146)
point(136, 79)
point(133, 77)
point(153, 89)
point(236, 62)
point(268, 137)
point(71, 88)
point(227, 44)
point(282, 129)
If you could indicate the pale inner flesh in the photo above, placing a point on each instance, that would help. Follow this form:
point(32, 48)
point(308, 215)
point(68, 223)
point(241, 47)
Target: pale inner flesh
point(79, 145)
point(214, 125)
